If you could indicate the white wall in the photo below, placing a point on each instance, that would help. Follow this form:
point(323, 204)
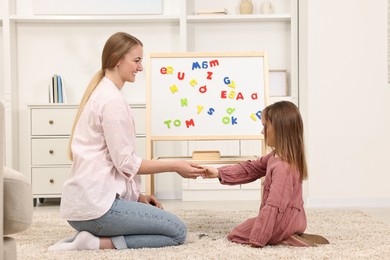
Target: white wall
point(344, 96)
point(1, 64)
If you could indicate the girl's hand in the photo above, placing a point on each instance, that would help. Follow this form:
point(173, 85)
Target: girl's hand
point(210, 172)
point(151, 200)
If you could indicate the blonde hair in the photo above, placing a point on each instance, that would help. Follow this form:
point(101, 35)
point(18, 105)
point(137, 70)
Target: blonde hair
point(287, 125)
point(114, 49)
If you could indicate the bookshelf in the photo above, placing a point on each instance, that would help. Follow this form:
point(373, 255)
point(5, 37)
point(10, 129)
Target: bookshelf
point(34, 47)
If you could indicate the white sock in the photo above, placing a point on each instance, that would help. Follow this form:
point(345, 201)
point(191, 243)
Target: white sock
point(83, 241)
point(69, 239)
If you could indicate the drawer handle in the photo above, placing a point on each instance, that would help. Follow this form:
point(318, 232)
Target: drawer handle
point(51, 181)
point(51, 151)
point(51, 122)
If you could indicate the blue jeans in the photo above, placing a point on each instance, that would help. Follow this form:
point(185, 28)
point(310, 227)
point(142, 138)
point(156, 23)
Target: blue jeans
point(133, 224)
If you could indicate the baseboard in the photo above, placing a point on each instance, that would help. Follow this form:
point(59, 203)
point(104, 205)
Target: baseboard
point(347, 202)
point(168, 195)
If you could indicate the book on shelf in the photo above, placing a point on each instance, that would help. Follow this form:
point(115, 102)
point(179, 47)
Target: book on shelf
point(55, 88)
point(51, 94)
point(216, 11)
point(57, 92)
point(64, 96)
point(59, 89)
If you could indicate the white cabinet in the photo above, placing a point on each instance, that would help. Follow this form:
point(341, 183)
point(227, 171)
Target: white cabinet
point(50, 128)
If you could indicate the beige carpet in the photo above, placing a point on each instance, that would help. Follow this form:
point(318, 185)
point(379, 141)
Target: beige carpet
point(353, 235)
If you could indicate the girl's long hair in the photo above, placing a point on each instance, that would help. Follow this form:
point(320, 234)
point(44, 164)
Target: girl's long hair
point(115, 48)
point(287, 125)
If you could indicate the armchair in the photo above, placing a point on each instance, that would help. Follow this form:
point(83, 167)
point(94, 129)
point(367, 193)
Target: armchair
point(16, 203)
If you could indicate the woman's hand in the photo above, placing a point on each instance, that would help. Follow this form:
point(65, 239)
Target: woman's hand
point(151, 200)
point(189, 169)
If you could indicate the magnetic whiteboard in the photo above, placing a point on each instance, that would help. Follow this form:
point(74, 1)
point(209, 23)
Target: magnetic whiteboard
point(206, 95)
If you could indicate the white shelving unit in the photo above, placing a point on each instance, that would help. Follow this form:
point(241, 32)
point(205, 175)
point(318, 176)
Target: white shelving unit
point(34, 47)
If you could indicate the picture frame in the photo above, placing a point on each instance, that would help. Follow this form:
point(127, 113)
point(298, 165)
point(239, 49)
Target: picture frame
point(278, 83)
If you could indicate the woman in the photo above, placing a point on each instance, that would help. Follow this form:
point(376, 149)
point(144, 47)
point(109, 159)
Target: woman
point(102, 199)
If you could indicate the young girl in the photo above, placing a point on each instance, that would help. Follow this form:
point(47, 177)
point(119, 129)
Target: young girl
point(282, 218)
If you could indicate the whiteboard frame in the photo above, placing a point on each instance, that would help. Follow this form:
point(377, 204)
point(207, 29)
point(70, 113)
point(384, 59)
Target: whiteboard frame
point(150, 138)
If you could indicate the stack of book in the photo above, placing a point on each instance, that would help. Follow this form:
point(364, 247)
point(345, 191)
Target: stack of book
point(216, 11)
point(57, 93)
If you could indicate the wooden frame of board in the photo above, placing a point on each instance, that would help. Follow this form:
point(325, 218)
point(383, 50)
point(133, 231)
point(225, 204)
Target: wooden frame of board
point(205, 96)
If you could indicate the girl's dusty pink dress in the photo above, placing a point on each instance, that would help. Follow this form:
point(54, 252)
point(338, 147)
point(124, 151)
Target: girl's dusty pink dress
point(281, 211)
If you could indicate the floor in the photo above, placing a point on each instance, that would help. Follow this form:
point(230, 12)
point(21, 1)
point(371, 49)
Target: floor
point(382, 214)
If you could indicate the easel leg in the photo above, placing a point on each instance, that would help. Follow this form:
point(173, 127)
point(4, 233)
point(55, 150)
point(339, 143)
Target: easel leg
point(150, 184)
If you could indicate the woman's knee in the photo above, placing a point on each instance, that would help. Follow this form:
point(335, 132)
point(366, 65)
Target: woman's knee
point(182, 235)
point(86, 225)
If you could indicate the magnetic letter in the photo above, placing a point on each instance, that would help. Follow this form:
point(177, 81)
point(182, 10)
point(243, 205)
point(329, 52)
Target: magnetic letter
point(169, 70)
point(232, 94)
point(190, 123)
point(177, 122)
point(163, 70)
point(223, 94)
point(211, 111)
point(168, 123)
point(195, 65)
point(180, 75)
point(234, 120)
point(193, 82)
point(258, 114)
point(230, 110)
point(173, 89)
point(184, 102)
point(254, 96)
point(240, 96)
point(205, 65)
point(209, 74)
point(226, 120)
point(214, 63)
point(200, 108)
point(232, 85)
point(226, 80)
point(253, 117)
point(203, 89)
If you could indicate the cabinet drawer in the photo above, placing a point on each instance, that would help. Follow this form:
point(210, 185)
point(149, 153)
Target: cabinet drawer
point(49, 151)
point(48, 180)
point(52, 121)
